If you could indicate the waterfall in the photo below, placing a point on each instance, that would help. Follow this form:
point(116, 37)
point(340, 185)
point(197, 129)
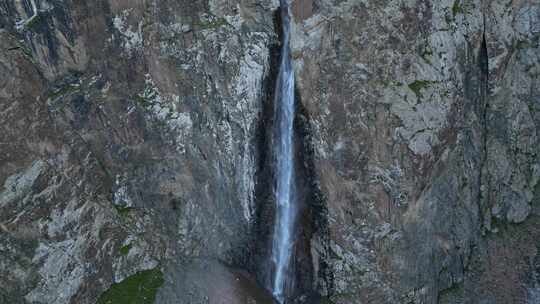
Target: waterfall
point(22, 23)
point(283, 151)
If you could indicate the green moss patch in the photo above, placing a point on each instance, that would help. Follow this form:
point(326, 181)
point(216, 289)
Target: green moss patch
point(418, 86)
point(140, 288)
point(34, 22)
point(123, 210)
point(326, 301)
point(456, 8)
point(391, 83)
point(205, 25)
point(124, 250)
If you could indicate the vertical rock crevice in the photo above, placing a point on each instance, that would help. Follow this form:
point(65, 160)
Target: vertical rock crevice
point(260, 243)
point(313, 278)
point(483, 91)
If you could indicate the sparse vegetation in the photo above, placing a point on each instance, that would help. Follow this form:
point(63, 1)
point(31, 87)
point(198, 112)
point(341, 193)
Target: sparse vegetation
point(123, 210)
point(456, 8)
point(389, 83)
point(418, 86)
point(21, 46)
point(65, 90)
point(33, 22)
point(205, 25)
point(326, 301)
point(124, 250)
point(140, 288)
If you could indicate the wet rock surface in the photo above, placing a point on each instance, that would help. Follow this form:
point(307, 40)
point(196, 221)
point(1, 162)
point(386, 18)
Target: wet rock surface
point(133, 141)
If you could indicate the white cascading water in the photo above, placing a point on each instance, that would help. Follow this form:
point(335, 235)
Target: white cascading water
point(282, 242)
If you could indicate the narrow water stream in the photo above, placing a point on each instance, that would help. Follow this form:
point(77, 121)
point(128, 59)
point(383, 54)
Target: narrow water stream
point(283, 151)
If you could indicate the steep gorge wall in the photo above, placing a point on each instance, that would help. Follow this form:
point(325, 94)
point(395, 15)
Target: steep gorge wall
point(128, 143)
point(425, 122)
point(132, 141)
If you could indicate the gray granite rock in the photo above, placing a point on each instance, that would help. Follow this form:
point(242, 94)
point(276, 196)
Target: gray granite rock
point(134, 138)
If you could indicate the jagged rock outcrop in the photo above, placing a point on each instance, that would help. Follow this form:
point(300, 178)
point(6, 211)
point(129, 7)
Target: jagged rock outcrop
point(131, 148)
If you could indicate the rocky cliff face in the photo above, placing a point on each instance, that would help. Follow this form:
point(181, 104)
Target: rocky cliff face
point(424, 119)
point(134, 150)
